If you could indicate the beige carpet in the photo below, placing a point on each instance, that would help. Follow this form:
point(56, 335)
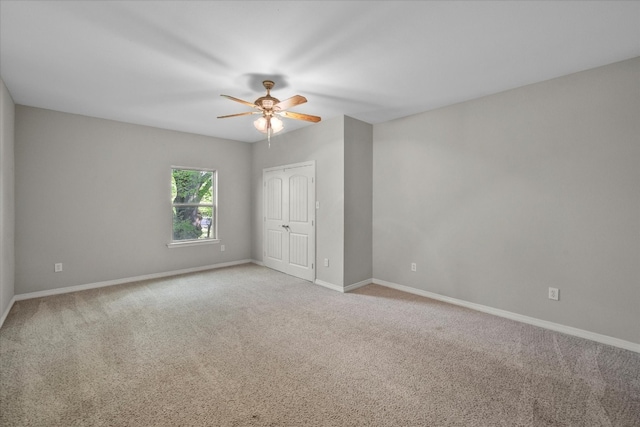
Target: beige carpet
point(247, 346)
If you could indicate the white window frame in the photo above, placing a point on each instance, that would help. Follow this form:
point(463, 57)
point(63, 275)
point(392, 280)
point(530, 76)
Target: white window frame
point(214, 217)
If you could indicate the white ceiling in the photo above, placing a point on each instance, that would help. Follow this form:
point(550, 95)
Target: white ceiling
point(165, 64)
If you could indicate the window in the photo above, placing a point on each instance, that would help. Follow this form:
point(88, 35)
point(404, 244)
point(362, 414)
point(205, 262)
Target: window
point(193, 202)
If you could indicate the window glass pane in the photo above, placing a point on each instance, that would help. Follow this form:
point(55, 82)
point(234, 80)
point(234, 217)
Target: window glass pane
point(193, 223)
point(191, 186)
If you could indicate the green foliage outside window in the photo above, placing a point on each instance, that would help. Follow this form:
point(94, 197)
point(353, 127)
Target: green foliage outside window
point(193, 204)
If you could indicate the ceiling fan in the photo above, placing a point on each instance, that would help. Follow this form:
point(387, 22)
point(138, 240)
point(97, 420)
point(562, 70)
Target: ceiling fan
point(270, 108)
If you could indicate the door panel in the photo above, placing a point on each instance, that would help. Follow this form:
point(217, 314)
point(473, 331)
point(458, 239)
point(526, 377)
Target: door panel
point(298, 198)
point(274, 244)
point(289, 220)
point(298, 249)
point(274, 198)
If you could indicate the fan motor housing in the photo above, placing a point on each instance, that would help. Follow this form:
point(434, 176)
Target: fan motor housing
point(266, 102)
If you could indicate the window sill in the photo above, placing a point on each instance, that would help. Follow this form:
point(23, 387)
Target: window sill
point(192, 243)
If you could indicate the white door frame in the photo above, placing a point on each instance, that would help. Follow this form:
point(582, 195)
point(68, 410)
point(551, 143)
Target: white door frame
point(312, 217)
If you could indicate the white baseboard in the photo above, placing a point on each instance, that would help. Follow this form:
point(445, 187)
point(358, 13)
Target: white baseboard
point(6, 312)
point(345, 288)
point(329, 285)
point(569, 330)
point(357, 285)
point(77, 288)
point(260, 263)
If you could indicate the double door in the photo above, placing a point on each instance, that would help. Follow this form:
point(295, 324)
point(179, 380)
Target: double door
point(289, 219)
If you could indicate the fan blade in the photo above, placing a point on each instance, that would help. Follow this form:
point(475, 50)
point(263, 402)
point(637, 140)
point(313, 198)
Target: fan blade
point(240, 114)
point(299, 116)
point(250, 104)
point(290, 102)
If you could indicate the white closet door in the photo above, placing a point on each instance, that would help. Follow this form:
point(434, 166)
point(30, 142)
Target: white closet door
point(289, 220)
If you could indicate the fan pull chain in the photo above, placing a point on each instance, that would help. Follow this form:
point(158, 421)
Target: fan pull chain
point(268, 128)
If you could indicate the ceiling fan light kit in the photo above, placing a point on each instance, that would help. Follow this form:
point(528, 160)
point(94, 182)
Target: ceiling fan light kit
point(263, 124)
point(270, 108)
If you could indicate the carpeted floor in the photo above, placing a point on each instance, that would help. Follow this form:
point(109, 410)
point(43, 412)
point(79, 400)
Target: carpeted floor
point(248, 346)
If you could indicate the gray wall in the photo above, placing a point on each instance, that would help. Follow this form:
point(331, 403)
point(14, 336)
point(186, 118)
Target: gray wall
point(7, 199)
point(358, 201)
point(94, 195)
point(324, 143)
point(499, 198)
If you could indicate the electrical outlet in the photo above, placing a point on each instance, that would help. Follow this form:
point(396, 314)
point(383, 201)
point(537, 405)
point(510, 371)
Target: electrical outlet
point(326, 262)
point(57, 267)
point(554, 294)
point(222, 248)
point(414, 267)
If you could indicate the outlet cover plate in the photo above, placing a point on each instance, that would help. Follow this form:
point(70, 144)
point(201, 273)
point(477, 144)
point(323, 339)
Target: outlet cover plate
point(554, 294)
